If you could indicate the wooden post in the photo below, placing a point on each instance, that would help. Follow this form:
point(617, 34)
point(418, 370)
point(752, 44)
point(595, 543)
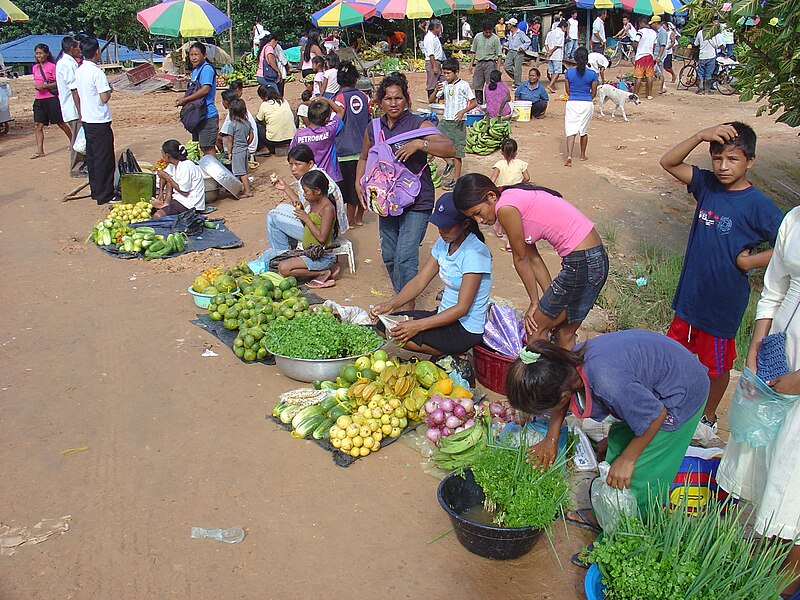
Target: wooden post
point(230, 33)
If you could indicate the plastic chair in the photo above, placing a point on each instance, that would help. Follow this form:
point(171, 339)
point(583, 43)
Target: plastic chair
point(345, 248)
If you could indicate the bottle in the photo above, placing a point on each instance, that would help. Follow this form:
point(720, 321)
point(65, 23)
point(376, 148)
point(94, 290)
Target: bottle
point(229, 536)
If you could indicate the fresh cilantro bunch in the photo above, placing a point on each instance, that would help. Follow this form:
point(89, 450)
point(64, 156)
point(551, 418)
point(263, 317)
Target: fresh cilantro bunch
point(320, 336)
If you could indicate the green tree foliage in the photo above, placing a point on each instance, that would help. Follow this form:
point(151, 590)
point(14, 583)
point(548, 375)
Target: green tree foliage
point(285, 18)
point(45, 17)
point(107, 17)
point(769, 52)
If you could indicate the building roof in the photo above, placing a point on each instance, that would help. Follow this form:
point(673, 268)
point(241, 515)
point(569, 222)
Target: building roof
point(21, 50)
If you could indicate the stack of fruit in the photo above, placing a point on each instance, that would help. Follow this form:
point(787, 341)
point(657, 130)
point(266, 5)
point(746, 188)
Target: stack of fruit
point(131, 213)
point(193, 150)
point(435, 175)
point(446, 416)
point(486, 136)
point(361, 433)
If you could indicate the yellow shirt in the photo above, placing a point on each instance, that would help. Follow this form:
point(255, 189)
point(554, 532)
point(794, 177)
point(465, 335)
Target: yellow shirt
point(278, 119)
point(510, 172)
point(500, 30)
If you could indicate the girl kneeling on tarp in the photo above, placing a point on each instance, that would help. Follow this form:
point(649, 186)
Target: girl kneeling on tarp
point(654, 388)
point(180, 183)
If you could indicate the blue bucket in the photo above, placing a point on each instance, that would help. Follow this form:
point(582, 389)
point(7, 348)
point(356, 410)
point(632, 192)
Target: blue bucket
point(593, 584)
point(473, 118)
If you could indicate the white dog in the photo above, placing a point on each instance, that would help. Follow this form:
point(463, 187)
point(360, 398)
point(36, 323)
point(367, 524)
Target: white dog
point(617, 96)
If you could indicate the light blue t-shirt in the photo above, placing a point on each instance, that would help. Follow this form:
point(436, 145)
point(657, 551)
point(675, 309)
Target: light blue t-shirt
point(471, 257)
point(206, 75)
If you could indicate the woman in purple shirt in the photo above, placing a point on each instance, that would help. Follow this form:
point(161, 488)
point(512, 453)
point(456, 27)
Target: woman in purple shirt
point(654, 388)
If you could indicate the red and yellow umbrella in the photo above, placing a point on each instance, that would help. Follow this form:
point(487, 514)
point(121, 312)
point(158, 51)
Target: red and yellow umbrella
point(343, 13)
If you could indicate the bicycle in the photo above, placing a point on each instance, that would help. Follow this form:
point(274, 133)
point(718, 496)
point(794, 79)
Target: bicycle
point(621, 50)
point(722, 80)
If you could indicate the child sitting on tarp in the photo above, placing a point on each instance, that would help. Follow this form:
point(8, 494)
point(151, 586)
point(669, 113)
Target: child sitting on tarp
point(180, 183)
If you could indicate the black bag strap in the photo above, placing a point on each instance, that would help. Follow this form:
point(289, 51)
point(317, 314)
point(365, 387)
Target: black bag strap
point(789, 322)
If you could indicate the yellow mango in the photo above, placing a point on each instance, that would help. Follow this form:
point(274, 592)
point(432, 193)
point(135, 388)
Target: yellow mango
point(460, 392)
point(443, 386)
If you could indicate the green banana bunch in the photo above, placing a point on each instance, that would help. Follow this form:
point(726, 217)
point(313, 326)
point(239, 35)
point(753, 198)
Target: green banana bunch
point(461, 449)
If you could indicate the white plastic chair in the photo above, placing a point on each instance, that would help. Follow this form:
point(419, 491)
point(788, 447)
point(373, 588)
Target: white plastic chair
point(345, 249)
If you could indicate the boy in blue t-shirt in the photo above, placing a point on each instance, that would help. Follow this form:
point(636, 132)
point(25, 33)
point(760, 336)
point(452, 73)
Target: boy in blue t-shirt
point(732, 218)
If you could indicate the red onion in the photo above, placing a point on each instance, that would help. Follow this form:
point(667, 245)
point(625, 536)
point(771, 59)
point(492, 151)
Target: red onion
point(438, 417)
point(433, 434)
point(469, 423)
point(446, 404)
point(430, 406)
point(468, 404)
point(459, 411)
point(446, 431)
point(496, 409)
point(459, 429)
point(452, 422)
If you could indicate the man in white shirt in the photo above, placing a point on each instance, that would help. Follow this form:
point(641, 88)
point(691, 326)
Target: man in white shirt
point(434, 55)
point(554, 49)
point(94, 93)
point(598, 63)
point(572, 34)
point(65, 75)
point(644, 64)
point(599, 32)
point(707, 61)
point(258, 33)
point(466, 29)
point(516, 45)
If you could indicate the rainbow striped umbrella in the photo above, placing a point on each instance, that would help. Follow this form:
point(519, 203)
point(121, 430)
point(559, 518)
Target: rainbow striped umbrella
point(184, 18)
point(608, 4)
point(11, 12)
point(343, 14)
point(413, 9)
point(648, 7)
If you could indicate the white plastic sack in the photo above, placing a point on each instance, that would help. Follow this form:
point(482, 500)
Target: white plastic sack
point(349, 314)
point(610, 504)
point(5, 94)
point(80, 142)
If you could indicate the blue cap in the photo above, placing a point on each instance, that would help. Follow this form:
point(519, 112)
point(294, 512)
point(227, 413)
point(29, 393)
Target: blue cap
point(445, 214)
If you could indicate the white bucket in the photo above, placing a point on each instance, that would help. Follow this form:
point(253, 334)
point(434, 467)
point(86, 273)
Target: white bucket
point(521, 110)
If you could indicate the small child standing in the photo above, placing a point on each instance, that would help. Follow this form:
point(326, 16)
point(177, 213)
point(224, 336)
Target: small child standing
point(320, 136)
point(330, 86)
point(509, 171)
point(732, 218)
point(458, 100)
point(302, 109)
point(318, 64)
point(241, 133)
point(497, 96)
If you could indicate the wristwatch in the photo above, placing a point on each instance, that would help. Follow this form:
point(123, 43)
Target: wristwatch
point(425, 144)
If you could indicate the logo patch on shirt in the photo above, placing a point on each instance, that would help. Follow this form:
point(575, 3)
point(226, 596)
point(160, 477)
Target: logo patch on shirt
point(724, 226)
point(708, 218)
point(356, 104)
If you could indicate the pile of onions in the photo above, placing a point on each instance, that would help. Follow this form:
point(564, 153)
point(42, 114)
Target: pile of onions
point(503, 413)
point(446, 416)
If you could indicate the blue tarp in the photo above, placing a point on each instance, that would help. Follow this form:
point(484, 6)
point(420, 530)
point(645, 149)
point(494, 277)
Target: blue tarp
point(21, 49)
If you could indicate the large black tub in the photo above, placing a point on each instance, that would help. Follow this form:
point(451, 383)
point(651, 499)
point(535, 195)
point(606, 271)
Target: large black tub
point(457, 495)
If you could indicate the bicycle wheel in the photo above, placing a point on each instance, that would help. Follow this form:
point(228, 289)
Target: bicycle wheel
point(724, 81)
point(615, 57)
point(687, 76)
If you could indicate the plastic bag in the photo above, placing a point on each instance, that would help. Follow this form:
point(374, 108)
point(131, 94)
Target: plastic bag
point(504, 330)
point(80, 142)
point(392, 321)
point(349, 314)
point(610, 504)
point(757, 411)
point(459, 370)
point(5, 94)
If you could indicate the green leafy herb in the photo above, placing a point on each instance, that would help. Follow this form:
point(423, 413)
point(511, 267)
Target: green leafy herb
point(320, 337)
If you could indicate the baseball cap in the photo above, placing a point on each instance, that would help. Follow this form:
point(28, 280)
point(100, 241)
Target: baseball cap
point(512, 21)
point(655, 19)
point(445, 214)
point(563, 23)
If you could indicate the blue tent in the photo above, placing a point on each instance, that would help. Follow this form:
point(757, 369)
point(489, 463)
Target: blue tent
point(21, 49)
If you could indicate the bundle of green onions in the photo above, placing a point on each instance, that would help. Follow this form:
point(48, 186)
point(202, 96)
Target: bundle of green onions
point(684, 554)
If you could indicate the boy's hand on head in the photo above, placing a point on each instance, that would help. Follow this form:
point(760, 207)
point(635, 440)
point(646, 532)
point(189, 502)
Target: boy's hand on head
point(719, 133)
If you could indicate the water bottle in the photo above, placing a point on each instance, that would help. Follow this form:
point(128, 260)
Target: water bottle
point(229, 536)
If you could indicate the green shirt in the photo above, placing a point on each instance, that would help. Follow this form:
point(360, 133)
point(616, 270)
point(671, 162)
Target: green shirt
point(308, 237)
point(486, 48)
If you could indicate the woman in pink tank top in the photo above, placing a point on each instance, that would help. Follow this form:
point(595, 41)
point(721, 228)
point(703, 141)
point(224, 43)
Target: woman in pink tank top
point(528, 214)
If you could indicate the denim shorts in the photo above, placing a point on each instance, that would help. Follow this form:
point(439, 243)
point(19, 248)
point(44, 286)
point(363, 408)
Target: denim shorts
point(319, 264)
point(554, 66)
point(576, 287)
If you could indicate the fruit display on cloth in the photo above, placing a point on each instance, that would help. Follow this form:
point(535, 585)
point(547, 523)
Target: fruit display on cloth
point(131, 213)
point(486, 136)
point(435, 175)
point(141, 240)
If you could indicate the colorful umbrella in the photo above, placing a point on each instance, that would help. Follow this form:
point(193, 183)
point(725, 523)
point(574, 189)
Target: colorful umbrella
point(184, 18)
point(608, 4)
point(679, 7)
point(470, 5)
point(413, 9)
point(11, 12)
point(343, 14)
point(482, 9)
point(648, 7)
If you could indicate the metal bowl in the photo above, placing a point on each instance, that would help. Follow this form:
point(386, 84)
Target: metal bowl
point(215, 169)
point(302, 369)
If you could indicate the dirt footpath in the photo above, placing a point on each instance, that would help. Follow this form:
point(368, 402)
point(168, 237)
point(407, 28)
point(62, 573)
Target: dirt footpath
point(98, 352)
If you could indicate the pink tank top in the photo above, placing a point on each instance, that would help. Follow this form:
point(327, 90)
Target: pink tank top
point(547, 217)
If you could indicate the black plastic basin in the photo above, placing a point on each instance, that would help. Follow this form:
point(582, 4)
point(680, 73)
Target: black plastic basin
point(458, 494)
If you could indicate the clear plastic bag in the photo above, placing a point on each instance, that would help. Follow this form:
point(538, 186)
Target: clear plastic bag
point(349, 314)
point(757, 411)
point(610, 504)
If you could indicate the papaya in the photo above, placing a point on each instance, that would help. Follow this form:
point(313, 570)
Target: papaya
point(443, 386)
point(460, 392)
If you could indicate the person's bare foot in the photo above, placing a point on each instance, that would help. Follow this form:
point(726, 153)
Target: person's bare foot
point(551, 90)
point(358, 224)
point(568, 162)
point(584, 157)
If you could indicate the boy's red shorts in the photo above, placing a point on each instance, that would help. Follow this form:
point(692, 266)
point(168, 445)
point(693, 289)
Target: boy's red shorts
point(716, 353)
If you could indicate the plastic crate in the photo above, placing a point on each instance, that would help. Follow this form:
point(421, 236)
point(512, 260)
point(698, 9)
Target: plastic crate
point(141, 73)
point(491, 369)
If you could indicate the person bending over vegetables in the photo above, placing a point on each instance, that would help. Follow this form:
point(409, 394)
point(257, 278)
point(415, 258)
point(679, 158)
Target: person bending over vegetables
point(527, 214)
point(653, 387)
point(180, 183)
point(463, 262)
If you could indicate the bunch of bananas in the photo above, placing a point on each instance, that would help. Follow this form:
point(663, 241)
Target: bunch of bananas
point(486, 136)
point(435, 175)
point(461, 449)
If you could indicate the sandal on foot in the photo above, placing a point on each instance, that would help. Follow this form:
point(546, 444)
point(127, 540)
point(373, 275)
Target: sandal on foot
point(316, 284)
point(36, 155)
point(581, 520)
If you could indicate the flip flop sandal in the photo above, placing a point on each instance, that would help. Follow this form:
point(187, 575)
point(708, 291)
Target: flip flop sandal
point(315, 284)
point(577, 558)
point(583, 522)
point(335, 272)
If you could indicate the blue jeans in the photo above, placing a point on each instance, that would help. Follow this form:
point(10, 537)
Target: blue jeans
point(705, 68)
point(283, 228)
point(535, 43)
point(400, 240)
point(569, 49)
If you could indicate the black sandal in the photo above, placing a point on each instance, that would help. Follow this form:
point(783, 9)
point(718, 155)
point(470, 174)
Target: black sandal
point(583, 522)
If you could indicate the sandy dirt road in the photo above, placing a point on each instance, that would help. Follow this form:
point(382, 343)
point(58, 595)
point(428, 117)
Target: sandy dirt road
point(98, 352)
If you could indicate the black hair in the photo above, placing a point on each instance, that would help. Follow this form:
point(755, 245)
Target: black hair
point(391, 79)
point(626, 16)
point(473, 227)
point(488, 24)
point(535, 70)
point(332, 61)
point(236, 84)
point(319, 111)
point(238, 110)
point(229, 96)
point(581, 58)
point(318, 180)
point(68, 43)
point(305, 96)
point(267, 93)
point(46, 49)
point(451, 64)
point(196, 45)
point(509, 148)
point(301, 153)
point(318, 60)
point(494, 78)
point(174, 149)
point(666, 18)
point(538, 387)
point(471, 189)
point(313, 40)
point(347, 74)
point(643, 19)
point(89, 47)
point(746, 140)
point(602, 12)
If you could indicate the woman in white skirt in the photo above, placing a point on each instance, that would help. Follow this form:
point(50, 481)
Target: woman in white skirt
point(769, 477)
point(581, 87)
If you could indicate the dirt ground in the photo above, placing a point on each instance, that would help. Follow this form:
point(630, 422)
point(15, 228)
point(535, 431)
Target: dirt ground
point(99, 352)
